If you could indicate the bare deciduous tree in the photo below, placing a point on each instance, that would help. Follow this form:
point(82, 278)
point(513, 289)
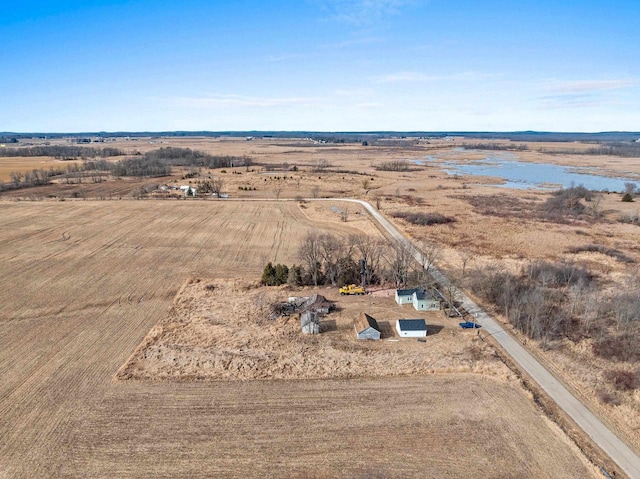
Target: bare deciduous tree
point(333, 251)
point(216, 186)
point(400, 260)
point(370, 250)
point(429, 254)
point(466, 257)
point(315, 191)
point(310, 253)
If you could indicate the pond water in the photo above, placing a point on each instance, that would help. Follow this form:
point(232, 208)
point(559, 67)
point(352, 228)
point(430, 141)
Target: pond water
point(522, 175)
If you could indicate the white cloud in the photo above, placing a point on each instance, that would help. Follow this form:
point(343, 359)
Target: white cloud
point(241, 101)
point(584, 86)
point(286, 57)
point(361, 12)
point(571, 94)
point(354, 92)
point(412, 76)
point(368, 105)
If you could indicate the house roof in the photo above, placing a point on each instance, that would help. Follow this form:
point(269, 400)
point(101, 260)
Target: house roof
point(407, 292)
point(365, 321)
point(412, 324)
point(422, 294)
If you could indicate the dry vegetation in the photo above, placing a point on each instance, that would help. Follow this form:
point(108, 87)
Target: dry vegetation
point(222, 330)
point(83, 282)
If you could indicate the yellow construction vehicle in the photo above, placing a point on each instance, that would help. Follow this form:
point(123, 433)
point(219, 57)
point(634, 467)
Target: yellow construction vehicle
point(352, 289)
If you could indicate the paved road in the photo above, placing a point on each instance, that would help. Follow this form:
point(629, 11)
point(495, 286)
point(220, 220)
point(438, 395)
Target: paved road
point(617, 450)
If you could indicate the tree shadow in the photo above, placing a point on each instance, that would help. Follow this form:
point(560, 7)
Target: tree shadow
point(386, 329)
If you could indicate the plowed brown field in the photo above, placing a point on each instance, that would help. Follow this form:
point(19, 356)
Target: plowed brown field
point(82, 283)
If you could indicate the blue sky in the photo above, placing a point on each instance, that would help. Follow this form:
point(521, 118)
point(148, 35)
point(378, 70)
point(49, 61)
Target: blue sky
point(323, 65)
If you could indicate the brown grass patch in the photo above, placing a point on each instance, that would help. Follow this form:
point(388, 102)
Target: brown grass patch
point(224, 332)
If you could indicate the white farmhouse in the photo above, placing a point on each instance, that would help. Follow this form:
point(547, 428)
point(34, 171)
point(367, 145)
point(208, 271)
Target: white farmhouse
point(423, 301)
point(419, 297)
point(405, 296)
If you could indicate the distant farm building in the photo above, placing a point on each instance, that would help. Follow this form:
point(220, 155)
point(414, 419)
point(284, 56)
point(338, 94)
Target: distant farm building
point(310, 322)
point(366, 327)
point(411, 328)
point(189, 191)
point(419, 297)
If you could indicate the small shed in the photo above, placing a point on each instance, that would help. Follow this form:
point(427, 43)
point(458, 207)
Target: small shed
point(366, 327)
point(424, 301)
point(309, 322)
point(405, 296)
point(411, 328)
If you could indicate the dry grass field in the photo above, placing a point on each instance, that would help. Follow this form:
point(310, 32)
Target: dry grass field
point(222, 330)
point(83, 282)
point(10, 164)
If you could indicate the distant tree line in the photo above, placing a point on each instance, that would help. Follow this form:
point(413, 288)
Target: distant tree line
point(619, 148)
point(62, 152)
point(154, 163)
point(496, 146)
point(159, 162)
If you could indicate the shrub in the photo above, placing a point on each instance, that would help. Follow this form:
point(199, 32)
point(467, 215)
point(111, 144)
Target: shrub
point(627, 197)
point(423, 219)
point(275, 275)
point(623, 380)
point(394, 165)
point(608, 398)
point(632, 219)
point(617, 348)
point(557, 274)
point(597, 248)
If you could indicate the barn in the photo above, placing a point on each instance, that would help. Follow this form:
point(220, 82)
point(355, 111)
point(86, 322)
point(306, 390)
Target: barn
point(423, 301)
point(366, 327)
point(411, 328)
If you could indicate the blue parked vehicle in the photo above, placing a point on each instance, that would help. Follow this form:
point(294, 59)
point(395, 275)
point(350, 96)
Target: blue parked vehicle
point(469, 325)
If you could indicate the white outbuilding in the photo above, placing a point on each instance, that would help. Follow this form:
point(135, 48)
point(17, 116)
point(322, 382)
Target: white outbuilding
point(411, 328)
point(189, 191)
